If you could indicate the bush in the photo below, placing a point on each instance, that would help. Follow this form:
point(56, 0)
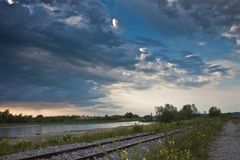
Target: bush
point(214, 112)
point(168, 113)
point(137, 128)
point(188, 111)
point(5, 145)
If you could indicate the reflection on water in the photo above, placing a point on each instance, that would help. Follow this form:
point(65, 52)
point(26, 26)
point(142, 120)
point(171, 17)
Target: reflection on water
point(31, 130)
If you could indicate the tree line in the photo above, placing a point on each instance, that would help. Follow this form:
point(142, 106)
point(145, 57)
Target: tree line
point(170, 113)
point(7, 117)
point(166, 113)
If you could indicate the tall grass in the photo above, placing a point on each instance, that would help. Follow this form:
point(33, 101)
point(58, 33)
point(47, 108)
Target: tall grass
point(189, 145)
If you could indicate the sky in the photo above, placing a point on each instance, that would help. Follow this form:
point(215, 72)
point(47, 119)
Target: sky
point(97, 57)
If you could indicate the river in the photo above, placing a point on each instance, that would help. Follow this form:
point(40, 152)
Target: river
point(54, 129)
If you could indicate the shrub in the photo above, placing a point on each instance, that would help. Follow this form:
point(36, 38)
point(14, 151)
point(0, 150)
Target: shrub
point(214, 112)
point(137, 128)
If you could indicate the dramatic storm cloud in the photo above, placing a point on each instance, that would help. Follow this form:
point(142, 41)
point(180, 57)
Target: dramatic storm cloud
point(88, 54)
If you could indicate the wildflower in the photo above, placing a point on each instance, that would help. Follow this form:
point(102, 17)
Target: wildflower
point(125, 154)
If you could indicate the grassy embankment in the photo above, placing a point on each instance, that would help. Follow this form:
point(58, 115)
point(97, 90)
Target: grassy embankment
point(6, 147)
point(190, 145)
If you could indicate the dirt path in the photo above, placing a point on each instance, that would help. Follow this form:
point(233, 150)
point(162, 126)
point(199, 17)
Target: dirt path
point(227, 145)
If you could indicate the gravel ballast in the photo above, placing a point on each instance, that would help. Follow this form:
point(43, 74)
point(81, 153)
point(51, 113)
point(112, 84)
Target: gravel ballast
point(227, 145)
point(146, 140)
point(74, 155)
point(80, 153)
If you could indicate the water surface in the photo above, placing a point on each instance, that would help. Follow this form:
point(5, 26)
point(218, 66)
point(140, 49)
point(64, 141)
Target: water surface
point(52, 129)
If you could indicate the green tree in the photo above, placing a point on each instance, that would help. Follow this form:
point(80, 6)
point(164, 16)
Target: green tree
point(168, 113)
point(214, 112)
point(7, 116)
point(39, 118)
point(147, 118)
point(188, 111)
point(131, 115)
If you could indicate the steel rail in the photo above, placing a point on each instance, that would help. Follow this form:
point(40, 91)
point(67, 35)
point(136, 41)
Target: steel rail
point(49, 155)
point(103, 153)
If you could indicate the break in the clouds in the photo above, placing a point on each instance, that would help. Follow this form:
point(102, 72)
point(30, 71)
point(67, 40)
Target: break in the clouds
point(115, 23)
point(79, 53)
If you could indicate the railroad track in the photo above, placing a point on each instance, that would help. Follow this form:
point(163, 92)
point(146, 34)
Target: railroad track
point(137, 139)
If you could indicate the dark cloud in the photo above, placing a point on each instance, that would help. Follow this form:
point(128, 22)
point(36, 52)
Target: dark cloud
point(213, 17)
point(166, 7)
point(210, 14)
point(42, 56)
point(66, 51)
point(187, 18)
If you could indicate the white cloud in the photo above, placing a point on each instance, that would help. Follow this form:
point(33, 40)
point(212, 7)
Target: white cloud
point(10, 2)
point(226, 64)
point(49, 7)
point(189, 55)
point(142, 57)
point(160, 67)
point(202, 43)
point(145, 75)
point(143, 53)
point(74, 20)
point(115, 23)
point(126, 74)
point(234, 32)
point(233, 68)
point(77, 21)
point(159, 71)
point(143, 50)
